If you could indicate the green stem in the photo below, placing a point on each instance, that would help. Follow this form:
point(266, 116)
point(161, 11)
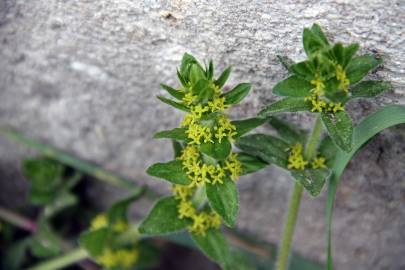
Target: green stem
point(295, 201)
point(63, 261)
point(17, 220)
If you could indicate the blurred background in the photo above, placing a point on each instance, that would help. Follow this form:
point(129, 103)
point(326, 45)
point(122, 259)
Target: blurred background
point(82, 76)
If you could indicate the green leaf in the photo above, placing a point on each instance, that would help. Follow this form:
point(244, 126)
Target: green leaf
point(369, 127)
point(45, 174)
point(220, 82)
point(171, 171)
point(286, 131)
point(313, 43)
point(175, 134)
point(45, 243)
point(196, 74)
point(163, 218)
point(39, 197)
point(177, 148)
point(223, 198)
point(217, 150)
point(174, 104)
point(268, 148)
point(238, 93)
point(312, 180)
point(293, 86)
point(286, 62)
point(173, 92)
point(203, 90)
point(304, 69)
point(94, 241)
point(316, 30)
point(214, 246)
point(182, 79)
point(118, 211)
point(340, 129)
point(328, 150)
point(246, 125)
point(360, 66)
point(186, 62)
point(250, 164)
point(370, 88)
point(210, 70)
point(289, 104)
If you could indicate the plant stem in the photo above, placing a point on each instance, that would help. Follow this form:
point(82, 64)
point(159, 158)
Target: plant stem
point(295, 201)
point(69, 258)
point(18, 220)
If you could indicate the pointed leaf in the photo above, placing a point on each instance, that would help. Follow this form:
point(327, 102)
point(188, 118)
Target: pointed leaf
point(316, 29)
point(268, 148)
point(171, 171)
point(182, 79)
point(214, 246)
point(163, 218)
point(250, 164)
point(246, 125)
point(370, 88)
point(312, 180)
point(360, 66)
point(175, 104)
point(340, 129)
point(238, 93)
point(177, 148)
point(173, 92)
point(289, 104)
point(175, 134)
point(196, 74)
point(220, 82)
point(293, 86)
point(312, 42)
point(217, 150)
point(223, 198)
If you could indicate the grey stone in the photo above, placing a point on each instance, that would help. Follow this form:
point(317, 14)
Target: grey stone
point(83, 76)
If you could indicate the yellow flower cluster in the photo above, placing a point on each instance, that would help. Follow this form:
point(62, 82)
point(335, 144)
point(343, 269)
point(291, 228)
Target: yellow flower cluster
point(295, 159)
point(202, 173)
point(318, 103)
point(343, 80)
point(201, 221)
point(125, 258)
point(101, 221)
point(297, 162)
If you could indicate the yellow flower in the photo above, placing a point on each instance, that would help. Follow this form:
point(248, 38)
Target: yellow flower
point(189, 119)
point(295, 159)
point(199, 110)
point(99, 222)
point(127, 258)
point(189, 98)
point(318, 162)
point(217, 104)
point(214, 220)
point(318, 105)
point(338, 107)
point(234, 167)
point(319, 86)
point(218, 176)
point(186, 209)
point(182, 192)
point(108, 259)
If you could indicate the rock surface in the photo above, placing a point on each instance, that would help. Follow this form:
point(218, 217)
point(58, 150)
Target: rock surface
point(83, 76)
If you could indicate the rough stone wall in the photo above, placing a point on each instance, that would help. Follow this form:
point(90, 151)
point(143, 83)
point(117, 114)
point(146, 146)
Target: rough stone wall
point(83, 75)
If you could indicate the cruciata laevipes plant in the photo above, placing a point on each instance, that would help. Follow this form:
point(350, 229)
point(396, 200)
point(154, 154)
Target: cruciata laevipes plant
point(205, 169)
point(331, 76)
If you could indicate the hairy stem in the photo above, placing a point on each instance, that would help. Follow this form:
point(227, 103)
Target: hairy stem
point(295, 201)
point(17, 220)
point(62, 261)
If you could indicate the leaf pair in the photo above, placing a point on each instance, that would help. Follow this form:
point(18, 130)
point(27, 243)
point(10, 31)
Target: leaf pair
point(274, 150)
